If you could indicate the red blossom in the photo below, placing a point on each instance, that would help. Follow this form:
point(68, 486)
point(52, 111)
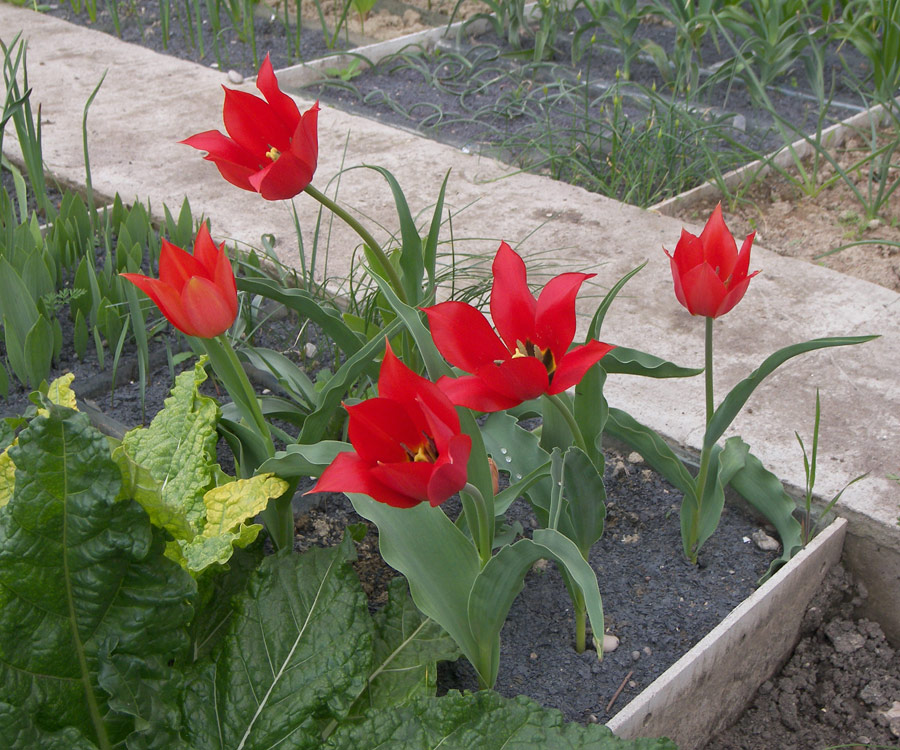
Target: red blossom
point(529, 353)
point(407, 442)
point(196, 293)
point(710, 274)
point(270, 149)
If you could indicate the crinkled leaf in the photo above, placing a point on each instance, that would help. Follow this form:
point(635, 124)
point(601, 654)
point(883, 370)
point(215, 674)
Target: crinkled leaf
point(139, 484)
point(18, 730)
point(7, 478)
point(633, 362)
point(408, 646)
point(297, 652)
point(482, 720)
point(78, 572)
point(177, 446)
point(60, 391)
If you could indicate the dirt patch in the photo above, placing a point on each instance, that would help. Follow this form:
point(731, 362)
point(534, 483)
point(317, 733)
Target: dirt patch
point(842, 685)
point(792, 222)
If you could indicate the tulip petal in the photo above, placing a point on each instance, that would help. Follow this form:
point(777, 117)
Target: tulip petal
point(572, 367)
point(703, 290)
point(381, 430)
point(208, 311)
point(409, 478)
point(177, 266)
point(167, 299)
point(427, 406)
point(220, 147)
point(522, 378)
point(284, 108)
point(676, 278)
point(283, 178)
point(463, 336)
point(450, 470)
point(735, 294)
point(743, 260)
point(305, 140)
point(349, 473)
point(512, 304)
point(473, 393)
point(253, 123)
point(554, 318)
point(719, 247)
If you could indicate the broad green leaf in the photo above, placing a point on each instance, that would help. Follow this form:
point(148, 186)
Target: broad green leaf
point(298, 460)
point(79, 574)
point(438, 560)
point(591, 412)
point(177, 446)
point(634, 362)
point(298, 649)
point(700, 519)
point(17, 730)
point(407, 647)
point(732, 404)
point(60, 391)
point(289, 376)
point(515, 450)
point(652, 447)
point(7, 478)
point(483, 720)
point(17, 306)
point(38, 351)
point(15, 353)
point(764, 491)
point(585, 499)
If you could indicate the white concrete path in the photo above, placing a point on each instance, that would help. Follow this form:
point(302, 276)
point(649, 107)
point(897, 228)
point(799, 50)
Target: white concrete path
point(148, 102)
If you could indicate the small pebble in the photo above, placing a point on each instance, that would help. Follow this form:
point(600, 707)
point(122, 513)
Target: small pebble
point(739, 123)
point(635, 458)
point(647, 650)
point(635, 655)
point(235, 77)
point(310, 350)
point(610, 643)
point(874, 224)
point(532, 656)
point(764, 541)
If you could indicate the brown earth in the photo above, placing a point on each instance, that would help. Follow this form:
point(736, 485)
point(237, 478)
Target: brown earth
point(791, 221)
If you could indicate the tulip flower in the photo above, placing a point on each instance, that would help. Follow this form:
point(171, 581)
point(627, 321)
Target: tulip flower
point(710, 274)
point(270, 149)
point(407, 441)
point(528, 355)
point(196, 293)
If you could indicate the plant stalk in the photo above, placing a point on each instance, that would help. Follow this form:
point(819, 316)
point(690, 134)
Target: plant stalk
point(710, 404)
point(482, 530)
point(570, 421)
point(364, 234)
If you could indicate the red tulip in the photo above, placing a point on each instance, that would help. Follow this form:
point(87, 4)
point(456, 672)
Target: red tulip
point(528, 355)
point(710, 275)
point(408, 444)
point(195, 292)
point(272, 148)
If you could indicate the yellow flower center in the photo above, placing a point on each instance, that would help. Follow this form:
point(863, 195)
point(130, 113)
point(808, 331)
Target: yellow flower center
point(273, 153)
point(427, 451)
point(528, 349)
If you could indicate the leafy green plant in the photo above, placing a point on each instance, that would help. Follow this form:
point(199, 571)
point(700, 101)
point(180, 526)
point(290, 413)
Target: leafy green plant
point(282, 647)
point(873, 27)
point(363, 8)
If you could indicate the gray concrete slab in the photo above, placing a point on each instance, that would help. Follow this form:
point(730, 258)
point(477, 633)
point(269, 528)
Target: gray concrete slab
point(148, 102)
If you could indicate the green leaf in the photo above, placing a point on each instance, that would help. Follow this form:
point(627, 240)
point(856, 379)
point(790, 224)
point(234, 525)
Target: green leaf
point(429, 247)
point(515, 450)
point(652, 447)
point(764, 491)
point(634, 362)
point(177, 446)
point(80, 574)
point(732, 404)
point(438, 560)
point(591, 411)
point(482, 720)
point(585, 499)
point(17, 306)
point(407, 647)
point(298, 460)
point(298, 648)
point(18, 730)
point(597, 321)
point(38, 351)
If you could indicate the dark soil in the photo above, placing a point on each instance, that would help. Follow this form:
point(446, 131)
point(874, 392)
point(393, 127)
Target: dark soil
point(840, 687)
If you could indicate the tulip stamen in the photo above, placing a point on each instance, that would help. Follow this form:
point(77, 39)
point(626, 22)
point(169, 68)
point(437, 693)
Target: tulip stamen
point(528, 349)
point(427, 451)
point(273, 153)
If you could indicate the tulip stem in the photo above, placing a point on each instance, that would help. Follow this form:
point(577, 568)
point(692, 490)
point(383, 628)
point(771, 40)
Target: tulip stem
point(386, 265)
point(567, 414)
point(710, 406)
point(482, 530)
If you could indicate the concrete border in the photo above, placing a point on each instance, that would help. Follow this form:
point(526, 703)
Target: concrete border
point(711, 685)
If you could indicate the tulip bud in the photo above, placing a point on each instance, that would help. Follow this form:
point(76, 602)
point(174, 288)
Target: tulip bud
point(495, 476)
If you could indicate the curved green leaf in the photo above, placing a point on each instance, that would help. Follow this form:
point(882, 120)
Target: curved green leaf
point(597, 321)
point(634, 362)
point(585, 498)
point(299, 460)
point(438, 560)
point(307, 306)
point(726, 412)
point(18, 730)
point(765, 492)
